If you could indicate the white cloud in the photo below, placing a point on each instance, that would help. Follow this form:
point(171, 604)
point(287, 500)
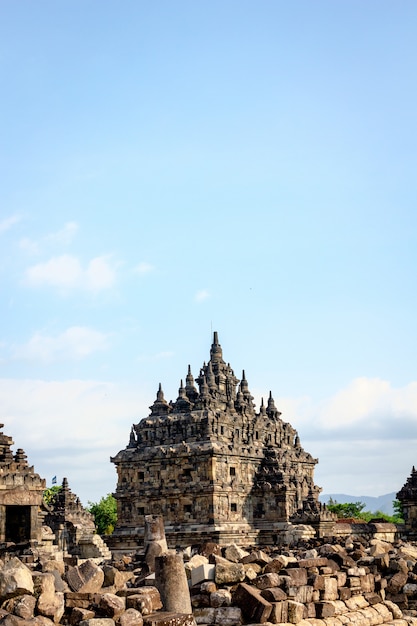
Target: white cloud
point(76, 342)
point(60, 238)
point(71, 428)
point(66, 273)
point(143, 268)
point(201, 295)
point(8, 222)
point(364, 435)
point(64, 236)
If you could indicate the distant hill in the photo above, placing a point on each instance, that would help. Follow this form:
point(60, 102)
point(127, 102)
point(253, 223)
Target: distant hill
point(372, 504)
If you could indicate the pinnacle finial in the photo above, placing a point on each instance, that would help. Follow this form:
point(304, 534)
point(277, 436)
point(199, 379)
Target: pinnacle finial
point(216, 353)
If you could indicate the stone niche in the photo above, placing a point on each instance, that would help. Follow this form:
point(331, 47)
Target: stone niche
point(213, 466)
point(21, 496)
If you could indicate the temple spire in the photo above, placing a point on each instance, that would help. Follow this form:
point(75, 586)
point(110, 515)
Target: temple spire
point(216, 353)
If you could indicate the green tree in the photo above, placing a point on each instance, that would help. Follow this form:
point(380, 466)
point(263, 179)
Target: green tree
point(50, 492)
point(356, 510)
point(398, 511)
point(346, 510)
point(105, 514)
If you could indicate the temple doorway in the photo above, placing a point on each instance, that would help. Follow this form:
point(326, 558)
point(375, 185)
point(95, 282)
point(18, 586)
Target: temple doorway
point(18, 523)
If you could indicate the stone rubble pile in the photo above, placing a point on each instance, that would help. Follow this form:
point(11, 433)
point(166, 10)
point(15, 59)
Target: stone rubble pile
point(350, 583)
point(359, 582)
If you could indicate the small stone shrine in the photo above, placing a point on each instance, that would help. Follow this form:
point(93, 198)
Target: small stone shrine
point(73, 526)
point(408, 498)
point(214, 467)
point(21, 496)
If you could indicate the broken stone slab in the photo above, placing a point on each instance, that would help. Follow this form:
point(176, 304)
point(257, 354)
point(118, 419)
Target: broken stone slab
point(228, 616)
point(44, 589)
point(22, 606)
point(79, 600)
point(110, 605)
point(146, 600)
point(274, 594)
point(15, 579)
point(276, 564)
point(235, 553)
point(78, 615)
point(202, 573)
point(85, 578)
point(295, 612)
point(113, 577)
point(167, 618)
point(228, 572)
point(194, 562)
point(131, 617)
point(254, 607)
point(98, 621)
point(297, 575)
point(205, 615)
point(266, 581)
point(257, 556)
point(221, 597)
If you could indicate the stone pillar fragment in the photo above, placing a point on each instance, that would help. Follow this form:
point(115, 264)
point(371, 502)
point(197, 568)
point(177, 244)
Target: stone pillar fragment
point(171, 580)
point(154, 540)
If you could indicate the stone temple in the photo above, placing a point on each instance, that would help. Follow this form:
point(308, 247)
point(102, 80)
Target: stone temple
point(214, 467)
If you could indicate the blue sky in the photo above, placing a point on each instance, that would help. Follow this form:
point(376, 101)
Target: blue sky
point(174, 168)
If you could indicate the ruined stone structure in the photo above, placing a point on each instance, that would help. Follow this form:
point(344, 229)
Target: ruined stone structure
point(21, 493)
point(63, 528)
point(213, 466)
point(408, 498)
point(73, 526)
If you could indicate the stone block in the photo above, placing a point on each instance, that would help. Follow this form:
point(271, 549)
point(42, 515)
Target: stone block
point(274, 594)
point(147, 600)
point(257, 556)
point(235, 553)
point(22, 606)
point(254, 607)
point(302, 594)
point(330, 591)
point(325, 609)
point(85, 578)
point(97, 621)
point(316, 562)
point(295, 612)
point(203, 572)
point(367, 583)
point(165, 618)
point(297, 575)
point(131, 617)
point(80, 600)
point(78, 615)
point(221, 597)
point(228, 616)
point(110, 605)
point(229, 573)
point(15, 579)
point(265, 581)
point(205, 615)
point(279, 612)
point(344, 593)
point(276, 564)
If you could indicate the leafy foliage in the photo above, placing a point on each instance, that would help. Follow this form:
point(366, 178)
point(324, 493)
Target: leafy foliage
point(355, 510)
point(105, 514)
point(346, 510)
point(50, 492)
